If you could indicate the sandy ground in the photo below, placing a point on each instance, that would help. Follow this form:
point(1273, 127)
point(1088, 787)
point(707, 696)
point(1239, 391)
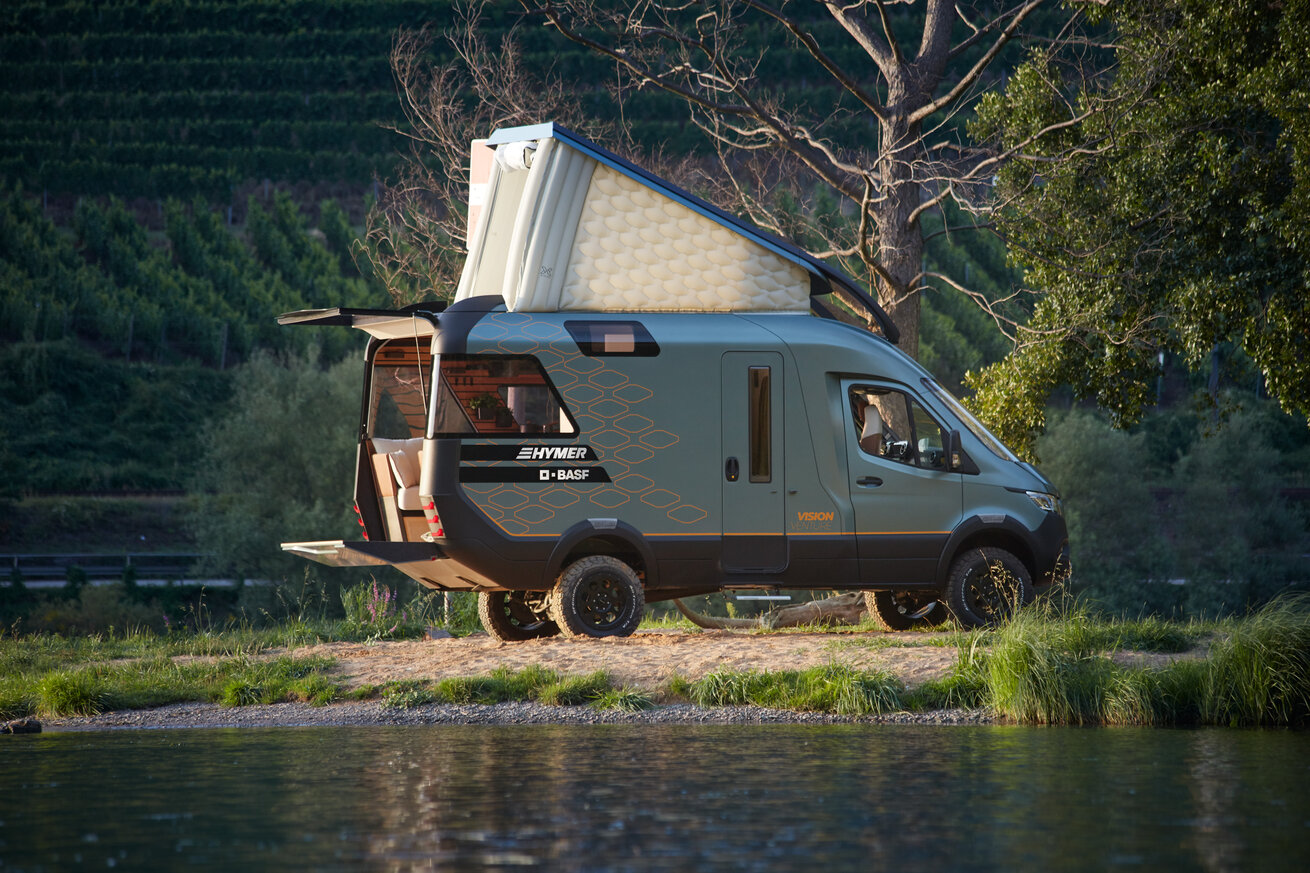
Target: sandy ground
point(646, 660)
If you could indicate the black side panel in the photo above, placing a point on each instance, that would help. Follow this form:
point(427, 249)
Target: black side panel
point(814, 562)
point(458, 321)
point(366, 495)
point(509, 562)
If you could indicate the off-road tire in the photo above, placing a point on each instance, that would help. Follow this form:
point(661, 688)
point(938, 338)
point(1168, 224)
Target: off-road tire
point(900, 610)
point(599, 596)
point(985, 587)
point(507, 616)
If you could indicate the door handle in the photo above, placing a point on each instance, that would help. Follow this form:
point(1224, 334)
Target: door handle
point(868, 481)
point(731, 470)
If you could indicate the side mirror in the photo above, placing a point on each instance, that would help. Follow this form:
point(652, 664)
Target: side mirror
point(957, 460)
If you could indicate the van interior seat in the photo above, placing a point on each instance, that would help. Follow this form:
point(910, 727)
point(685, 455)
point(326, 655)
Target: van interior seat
point(402, 456)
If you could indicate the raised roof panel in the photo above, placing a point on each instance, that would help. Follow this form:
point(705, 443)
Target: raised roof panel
point(568, 225)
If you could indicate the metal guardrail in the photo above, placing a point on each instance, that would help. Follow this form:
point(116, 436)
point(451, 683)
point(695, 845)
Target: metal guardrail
point(55, 567)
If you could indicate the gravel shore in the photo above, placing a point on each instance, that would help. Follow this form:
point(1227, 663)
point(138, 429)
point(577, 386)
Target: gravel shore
point(373, 713)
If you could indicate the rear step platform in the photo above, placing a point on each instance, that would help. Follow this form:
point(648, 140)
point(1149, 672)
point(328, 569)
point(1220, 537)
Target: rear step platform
point(339, 553)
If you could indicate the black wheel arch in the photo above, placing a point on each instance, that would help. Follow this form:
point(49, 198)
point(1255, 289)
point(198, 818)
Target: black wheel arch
point(976, 532)
point(603, 536)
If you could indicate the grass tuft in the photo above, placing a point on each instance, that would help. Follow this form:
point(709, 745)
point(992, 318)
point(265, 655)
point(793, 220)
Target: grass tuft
point(407, 695)
point(623, 700)
point(70, 692)
point(834, 688)
point(1045, 668)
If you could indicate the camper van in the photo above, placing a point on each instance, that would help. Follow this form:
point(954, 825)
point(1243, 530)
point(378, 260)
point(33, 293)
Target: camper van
point(636, 397)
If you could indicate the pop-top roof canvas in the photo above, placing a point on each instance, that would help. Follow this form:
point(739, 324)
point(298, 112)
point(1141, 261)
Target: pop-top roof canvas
point(565, 225)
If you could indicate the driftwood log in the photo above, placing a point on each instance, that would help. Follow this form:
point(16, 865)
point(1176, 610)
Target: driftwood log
point(844, 609)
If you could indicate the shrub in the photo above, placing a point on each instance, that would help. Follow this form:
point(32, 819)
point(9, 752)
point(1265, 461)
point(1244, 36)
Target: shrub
point(372, 611)
point(70, 692)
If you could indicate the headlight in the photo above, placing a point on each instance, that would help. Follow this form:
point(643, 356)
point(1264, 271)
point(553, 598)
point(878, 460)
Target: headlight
point(1046, 502)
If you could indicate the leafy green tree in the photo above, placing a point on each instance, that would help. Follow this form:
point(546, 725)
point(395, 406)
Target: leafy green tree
point(276, 465)
point(1169, 214)
point(1238, 541)
point(1120, 553)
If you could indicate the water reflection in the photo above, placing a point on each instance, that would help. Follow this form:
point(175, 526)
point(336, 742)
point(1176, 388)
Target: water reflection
point(657, 798)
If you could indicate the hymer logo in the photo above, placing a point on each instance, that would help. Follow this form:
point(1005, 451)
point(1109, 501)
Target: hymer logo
point(553, 453)
point(814, 516)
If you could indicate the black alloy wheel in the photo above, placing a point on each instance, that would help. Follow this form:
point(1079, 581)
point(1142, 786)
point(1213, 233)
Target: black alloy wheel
point(905, 610)
point(986, 586)
point(514, 616)
point(598, 596)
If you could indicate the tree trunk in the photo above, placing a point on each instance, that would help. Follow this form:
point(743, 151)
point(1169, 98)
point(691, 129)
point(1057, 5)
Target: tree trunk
point(900, 239)
point(843, 609)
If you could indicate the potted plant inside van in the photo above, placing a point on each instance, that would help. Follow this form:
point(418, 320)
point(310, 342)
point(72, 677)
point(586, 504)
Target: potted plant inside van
point(484, 405)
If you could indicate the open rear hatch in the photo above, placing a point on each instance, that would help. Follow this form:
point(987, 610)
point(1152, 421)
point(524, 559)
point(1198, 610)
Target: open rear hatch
point(379, 323)
point(392, 540)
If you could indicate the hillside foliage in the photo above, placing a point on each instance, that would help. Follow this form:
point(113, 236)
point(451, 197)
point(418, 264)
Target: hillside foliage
point(117, 343)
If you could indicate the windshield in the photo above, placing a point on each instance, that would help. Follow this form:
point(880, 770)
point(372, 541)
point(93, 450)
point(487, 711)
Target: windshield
point(985, 436)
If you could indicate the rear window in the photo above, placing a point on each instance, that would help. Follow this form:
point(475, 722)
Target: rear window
point(498, 396)
point(399, 390)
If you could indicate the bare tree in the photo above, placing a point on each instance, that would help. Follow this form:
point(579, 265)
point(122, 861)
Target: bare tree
point(416, 233)
point(910, 97)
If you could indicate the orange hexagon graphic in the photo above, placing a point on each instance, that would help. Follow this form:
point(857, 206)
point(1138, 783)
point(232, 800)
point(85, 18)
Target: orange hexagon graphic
point(608, 408)
point(609, 498)
point(659, 498)
point(560, 498)
point(634, 454)
point(634, 423)
point(609, 439)
point(585, 365)
point(687, 514)
point(634, 484)
point(534, 514)
point(588, 423)
point(582, 394)
point(508, 499)
point(634, 394)
point(658, 439)
point(609, 379)
point(542, 330)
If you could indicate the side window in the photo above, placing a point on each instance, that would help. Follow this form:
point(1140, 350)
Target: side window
point(613, 338)
point(398, 396)
point(891, 424)
point(497, 395)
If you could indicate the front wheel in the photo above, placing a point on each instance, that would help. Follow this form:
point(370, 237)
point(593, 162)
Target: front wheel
point(985, 587)
point(599, 596)
point(905, 610)
point(511, 616)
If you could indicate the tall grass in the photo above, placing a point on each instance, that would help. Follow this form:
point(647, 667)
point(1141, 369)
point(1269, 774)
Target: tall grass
point(1052, 667)
point(833, 688)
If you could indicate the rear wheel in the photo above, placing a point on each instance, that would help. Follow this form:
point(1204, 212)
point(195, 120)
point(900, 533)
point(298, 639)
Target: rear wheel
point(599, 596)
point(515, 615)
point(986, 586)
point(905, 610)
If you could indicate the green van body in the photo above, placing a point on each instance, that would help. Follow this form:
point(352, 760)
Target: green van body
point(538, 457)
point(656, 438)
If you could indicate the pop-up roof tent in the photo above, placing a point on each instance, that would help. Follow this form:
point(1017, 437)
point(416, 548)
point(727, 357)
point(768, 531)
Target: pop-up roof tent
point(564, 224)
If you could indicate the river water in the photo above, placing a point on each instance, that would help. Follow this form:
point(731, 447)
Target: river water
point(684, 798)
